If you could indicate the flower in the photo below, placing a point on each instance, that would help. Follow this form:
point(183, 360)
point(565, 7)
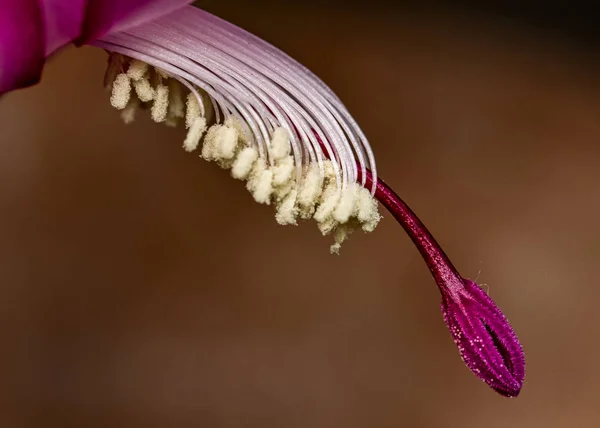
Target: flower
point(255, 111)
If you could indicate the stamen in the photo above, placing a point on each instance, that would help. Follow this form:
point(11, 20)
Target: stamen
point(226, 139)
point(367, 213)
point(144, 90)
point(287, 211)
point(260, 182)
point(121, 91)
point(137, 70)
point(194, 135)
point(346, 205)
point(269, 117)
point(264, 187)
point(282, 171)
point(209, 148)
point(280, 144)
point(244, 163)
point(310, 191)
point(282, 190)
point(192, 110)
point(161, 104)
point(329, 200)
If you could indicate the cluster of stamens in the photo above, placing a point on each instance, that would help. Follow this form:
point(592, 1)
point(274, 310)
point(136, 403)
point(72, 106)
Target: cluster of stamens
point(273, 177)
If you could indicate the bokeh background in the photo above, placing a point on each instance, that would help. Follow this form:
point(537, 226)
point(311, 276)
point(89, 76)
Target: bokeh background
point(142, 287)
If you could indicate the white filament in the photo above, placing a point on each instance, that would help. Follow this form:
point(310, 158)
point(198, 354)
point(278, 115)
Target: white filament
point(255, 82)
point(273, 116)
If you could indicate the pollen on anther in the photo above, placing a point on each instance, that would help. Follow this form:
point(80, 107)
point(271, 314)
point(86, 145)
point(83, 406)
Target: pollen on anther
point(209, 147)
point(310, 190)
point(137, 69)
point(192, 109)
point(280, 144)
point(346, 205)
point(225, 142)
point(244, 162)
point(194, 134)
point(121, 91)
point(264, 187)
point(144, 90)
point(282, 172)
point(287, 210)
point(161, 104)
point(260, 183)
point(367, 213)
point(329, 201)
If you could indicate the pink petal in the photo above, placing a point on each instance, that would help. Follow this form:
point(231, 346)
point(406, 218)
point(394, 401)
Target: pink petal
point(31, 30)
point(63, 20)
point(103, 16)
point(20, 25)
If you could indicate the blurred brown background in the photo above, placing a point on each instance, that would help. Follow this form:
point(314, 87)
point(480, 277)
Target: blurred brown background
point(142, 287)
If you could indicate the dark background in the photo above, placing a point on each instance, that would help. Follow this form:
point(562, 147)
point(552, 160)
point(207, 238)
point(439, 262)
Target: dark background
point(575, 19)
point(143, 287)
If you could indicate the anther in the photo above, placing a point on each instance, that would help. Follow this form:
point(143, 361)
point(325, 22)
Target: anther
point(310, 190)
point(192, 109)
point(137, 69)
point(287, 210)
point(209, 147)
point(161, 104)
point(346, 205)
point(144, 90)
point(282, 171)
point(121, 92)
point(329, 200)
point(264, 187)
point(226, 140)
point(244, 162)
point(280, 144)
point(367, 213)
point(260, 182)
point(194, 134)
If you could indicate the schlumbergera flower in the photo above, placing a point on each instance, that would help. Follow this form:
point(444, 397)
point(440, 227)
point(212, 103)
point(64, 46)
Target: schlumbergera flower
point(255, 111)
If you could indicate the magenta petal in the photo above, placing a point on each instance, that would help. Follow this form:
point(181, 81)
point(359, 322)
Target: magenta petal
point(103, 16)
point(21, 44)
point(63, 20)
point(30, 30)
